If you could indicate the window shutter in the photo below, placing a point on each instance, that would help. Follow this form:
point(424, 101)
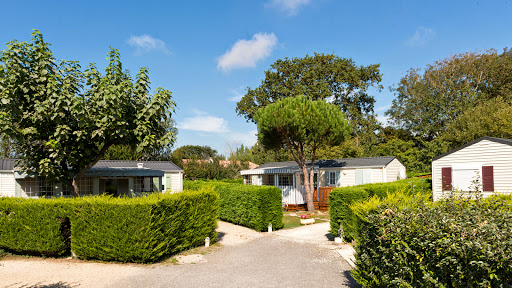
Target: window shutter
point(488, 178)
point(326, 178)
point(168, 182)
point(446, 174)
point(338, 179)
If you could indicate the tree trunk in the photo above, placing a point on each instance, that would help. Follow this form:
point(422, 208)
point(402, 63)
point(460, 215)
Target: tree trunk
point(308, 186)
point(76, 189)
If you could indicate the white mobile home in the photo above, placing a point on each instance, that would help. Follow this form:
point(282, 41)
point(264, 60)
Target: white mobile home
point(486, 162)
point(114, 177)
point(328, 173)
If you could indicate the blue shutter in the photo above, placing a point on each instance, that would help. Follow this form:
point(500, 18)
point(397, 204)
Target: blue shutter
point(338, 179)
point(326, 178)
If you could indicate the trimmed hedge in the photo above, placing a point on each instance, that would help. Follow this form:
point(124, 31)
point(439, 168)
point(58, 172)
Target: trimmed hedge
point(145, 228)
point(35, 227)
point(450, 243)
point(139, 229)
point(340, 200)
point(247, 205)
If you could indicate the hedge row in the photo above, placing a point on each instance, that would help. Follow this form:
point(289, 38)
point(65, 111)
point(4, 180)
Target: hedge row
point(450, 243)
point(31, 226)
point(340, 200)
point(247, 205)
point(140, 229)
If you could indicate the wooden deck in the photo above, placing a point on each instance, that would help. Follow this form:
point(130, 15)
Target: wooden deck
point(320, 200)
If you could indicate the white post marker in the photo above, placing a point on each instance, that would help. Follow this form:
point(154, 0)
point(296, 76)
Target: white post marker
point(269, 227)
point(207, 242)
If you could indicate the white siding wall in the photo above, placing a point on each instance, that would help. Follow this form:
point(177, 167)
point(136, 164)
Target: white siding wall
point(483, 153)
point(7, 185)
point(378, 175)
point(176, 181)
point(393, 171)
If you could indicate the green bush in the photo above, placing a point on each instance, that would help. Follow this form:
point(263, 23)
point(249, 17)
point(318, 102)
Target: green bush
point(139, 229)
point(340, 200)
point(143, 229)
point(35, 227)
point(450, 243)
point(247, 205)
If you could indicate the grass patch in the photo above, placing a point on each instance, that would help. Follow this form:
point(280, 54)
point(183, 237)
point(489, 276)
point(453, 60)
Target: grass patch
point(290, 221)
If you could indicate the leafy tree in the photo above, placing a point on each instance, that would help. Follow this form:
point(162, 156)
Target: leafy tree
point(490, 118)
point(193, 152)
point(300, 124)
point(429, 99)
point(320, 77)
point(213, 169)
point(63, 120)
point(347, 149)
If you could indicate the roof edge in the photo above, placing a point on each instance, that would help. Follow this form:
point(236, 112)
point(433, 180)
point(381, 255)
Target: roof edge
point(493, 139)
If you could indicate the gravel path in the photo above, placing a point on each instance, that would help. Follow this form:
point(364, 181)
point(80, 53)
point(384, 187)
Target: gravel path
point(247, 259)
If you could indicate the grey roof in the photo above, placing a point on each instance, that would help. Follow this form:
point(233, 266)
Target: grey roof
point(10, 164)
point(494, 139)
point(336, 163)
point(156, 165)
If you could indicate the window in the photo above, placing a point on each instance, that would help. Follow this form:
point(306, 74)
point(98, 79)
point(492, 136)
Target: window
point(86, 186)
point(268, 180)
point(464, 179)
point(142, 184)
point(285, 180)
point(35, 187)
point(332, 178)
point(248, 179)
point(363, 176)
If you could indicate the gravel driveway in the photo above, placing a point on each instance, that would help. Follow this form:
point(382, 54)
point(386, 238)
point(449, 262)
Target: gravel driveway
point(246, 259)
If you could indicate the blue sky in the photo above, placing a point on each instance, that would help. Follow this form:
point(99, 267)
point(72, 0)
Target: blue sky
point(207, 52)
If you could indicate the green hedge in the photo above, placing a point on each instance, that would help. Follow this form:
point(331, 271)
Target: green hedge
point(139, 229)
point(340, 200)
point(35, 227)
point(450, 243)
point(247, 205)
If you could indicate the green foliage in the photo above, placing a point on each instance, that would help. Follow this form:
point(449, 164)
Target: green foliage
point(213, 169)
point(347, 149)
point(139, 229)
point(64, 119)
point(342, 199)
point(33, 226)
point(319, 77)
point(450, 243)
point(193, 152)
point(429, 100)
point(143, 229)
point(490, 118)
point(300, 124)
point(247, 205)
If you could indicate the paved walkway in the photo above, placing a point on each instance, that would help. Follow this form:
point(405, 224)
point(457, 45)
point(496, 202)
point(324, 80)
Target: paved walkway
point(287, 258)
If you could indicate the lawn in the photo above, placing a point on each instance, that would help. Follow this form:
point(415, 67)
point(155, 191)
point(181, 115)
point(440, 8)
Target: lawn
point(292, 219)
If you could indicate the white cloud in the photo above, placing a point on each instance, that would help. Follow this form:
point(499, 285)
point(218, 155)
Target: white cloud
point(384, 120)
point(204, 123)
point(245, 53)
point(236, 139)
point(145, 43)
point(291, 7)
point(383, 108)
point(237, 94)
point(421, 37)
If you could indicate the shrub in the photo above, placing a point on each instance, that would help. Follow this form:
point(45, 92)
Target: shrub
point(247, 205)
point(450, 243)
point(35, 227)
point(143, 229)
point(340, 200)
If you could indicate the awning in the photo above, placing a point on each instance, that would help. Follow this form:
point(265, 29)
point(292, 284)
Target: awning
point(280, 170)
